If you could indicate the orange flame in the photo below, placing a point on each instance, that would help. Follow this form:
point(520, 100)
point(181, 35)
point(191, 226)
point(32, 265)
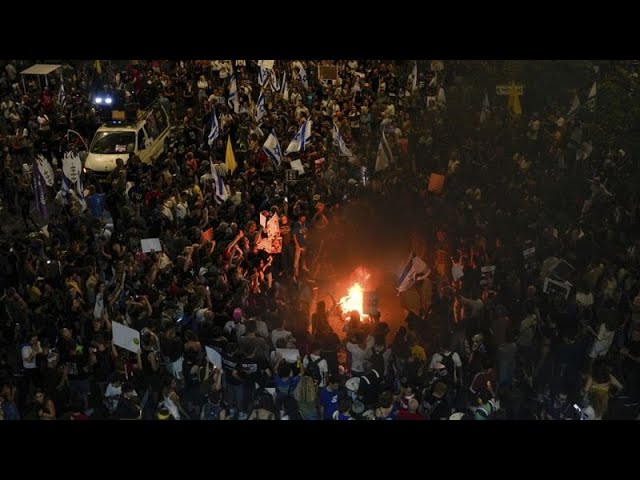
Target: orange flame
point(353, 300)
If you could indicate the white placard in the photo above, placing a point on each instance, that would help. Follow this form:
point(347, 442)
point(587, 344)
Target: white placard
point(263, 221)
point(151, 245)
point(555, 287)
point(266, 64)
point(289, 354)
point(126, 337)
point(456, 272)
point(214, 357)
point(297, 165)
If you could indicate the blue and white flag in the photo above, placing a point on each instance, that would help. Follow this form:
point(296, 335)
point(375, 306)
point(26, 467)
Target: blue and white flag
point(385, 156)
point(284, 87)
point(272, 148)
point(275, 85)
point(221, 194)
point(72, 178)
point(414, 271)
point(261, 109)
point(39, 189)
point(303, 77)
point(215, 128)
point(62, 96)
point(414, 78)
point(46, 170)
point(338, 141)
point(233, 100)
point(301, 139)
point(263, 76)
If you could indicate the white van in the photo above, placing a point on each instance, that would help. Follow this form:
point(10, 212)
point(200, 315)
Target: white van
point(146, 137)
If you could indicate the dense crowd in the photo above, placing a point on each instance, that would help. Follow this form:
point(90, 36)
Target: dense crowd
point(520, 195)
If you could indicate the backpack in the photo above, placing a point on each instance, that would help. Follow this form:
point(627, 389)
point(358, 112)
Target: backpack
point(313, 369)
point(377, 360)
point(447, 361)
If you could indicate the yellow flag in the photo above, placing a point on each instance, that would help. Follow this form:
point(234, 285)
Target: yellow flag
point(229, 158)
point(514, 101)
point(98, 66)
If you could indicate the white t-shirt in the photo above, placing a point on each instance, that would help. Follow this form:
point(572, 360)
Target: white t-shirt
point(26, 351)
point(603, 342)
point(277, 334)
point(358, 356)
point(112, 397)
point(232, 326)
point(322, 366)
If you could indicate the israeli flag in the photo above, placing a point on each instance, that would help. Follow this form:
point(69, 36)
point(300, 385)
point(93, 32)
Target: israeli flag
point(260, 107)
point(338, 141)
point(233, 100)
point(303, 77)
point(414, 270)
point(301, 139)
point(275, 85)
point(215, 128)
point(221, 194)
point(385, 156)
point(284, 87)
point(262, 77)
point(272, 148)
point(414, 77)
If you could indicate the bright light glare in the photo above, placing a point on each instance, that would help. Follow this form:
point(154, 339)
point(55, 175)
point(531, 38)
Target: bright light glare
point(353, 300)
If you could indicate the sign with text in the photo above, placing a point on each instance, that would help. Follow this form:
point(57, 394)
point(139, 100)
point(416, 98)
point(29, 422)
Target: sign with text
point(505, 90)
point(487, 275)
point(328, 72)
point(291, 175)
point(554, 287)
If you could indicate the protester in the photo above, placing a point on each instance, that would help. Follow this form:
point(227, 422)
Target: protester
point(541, 298)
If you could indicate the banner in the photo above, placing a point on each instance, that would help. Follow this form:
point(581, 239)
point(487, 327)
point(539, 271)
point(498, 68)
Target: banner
point(71, 167)
point(45, 169)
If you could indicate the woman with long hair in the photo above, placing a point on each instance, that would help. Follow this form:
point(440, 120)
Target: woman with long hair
point(306, 394)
